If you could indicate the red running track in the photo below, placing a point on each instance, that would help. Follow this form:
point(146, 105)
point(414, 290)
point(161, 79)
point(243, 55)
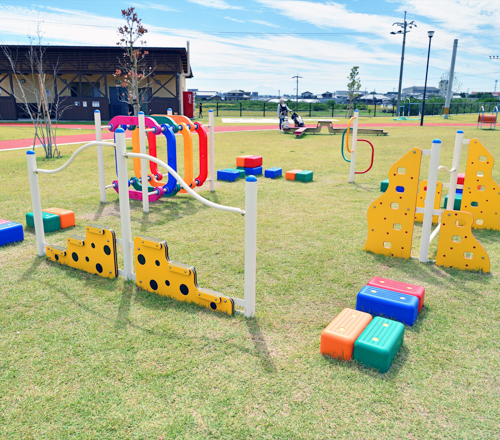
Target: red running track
point(80, 138)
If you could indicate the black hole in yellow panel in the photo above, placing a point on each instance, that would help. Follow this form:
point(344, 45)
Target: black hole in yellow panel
point(74, 255)
point(141, 259)
point(153, 284)
point(87, 259)
point(157, 262)
point(57, 257)
point(107, 250)
point(98, 268)
point(167, 282)
point(184, 289)
point(213, 306)
point(93, 245)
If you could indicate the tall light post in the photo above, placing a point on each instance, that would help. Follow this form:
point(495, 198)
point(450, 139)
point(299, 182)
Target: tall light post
point(297, 93)
point(430, 34)
point(403, 25)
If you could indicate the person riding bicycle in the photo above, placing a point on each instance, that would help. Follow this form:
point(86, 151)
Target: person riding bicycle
point(283, 110)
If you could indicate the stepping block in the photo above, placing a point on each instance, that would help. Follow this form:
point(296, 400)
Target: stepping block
point(240, 161)
point(51, 222)
point(257, 171)
point(304, 176)
point(393, 305)
point(290, 175)
point(66, 217)
point(10, 232)
point(398, 286)
point(241, 171)
point(458, 200)
point(378, 345)
point(384, 185)
point(253, 161)
point(228, 175)
point(338, 338)
point(460, 178)
point(274, 172)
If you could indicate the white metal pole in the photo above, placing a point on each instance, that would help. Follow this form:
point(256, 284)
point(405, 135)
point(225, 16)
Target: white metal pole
point(144, 163)
point(211, 147)
point(457, 152)
point(121, 166)
point(354, 142)
point(169, 112)
point(100, 155)
point(36, 203)
point(250, 245)
point(429, 201)
point(450, 81)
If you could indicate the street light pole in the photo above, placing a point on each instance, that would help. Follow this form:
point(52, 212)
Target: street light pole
point(430, 34)
point(297, 93)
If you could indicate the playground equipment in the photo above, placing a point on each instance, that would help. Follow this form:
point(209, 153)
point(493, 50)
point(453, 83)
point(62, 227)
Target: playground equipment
point(402, 111)
point(391, 217)
point(10, 232)
point(332, 130)
point(487, 119)
point(300, 175)
point(53, 219)
point(97, 252)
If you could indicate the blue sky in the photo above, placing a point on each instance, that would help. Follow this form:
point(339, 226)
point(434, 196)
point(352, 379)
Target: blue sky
point(259, 45)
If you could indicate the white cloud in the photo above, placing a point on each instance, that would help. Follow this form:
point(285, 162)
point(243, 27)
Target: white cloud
point(159, 7)
point(216, 4)
point(234, 19)
point(264, 23)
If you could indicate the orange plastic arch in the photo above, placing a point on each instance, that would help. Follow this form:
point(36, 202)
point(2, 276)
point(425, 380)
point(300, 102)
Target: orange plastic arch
point(347, 134)
point(188, 156)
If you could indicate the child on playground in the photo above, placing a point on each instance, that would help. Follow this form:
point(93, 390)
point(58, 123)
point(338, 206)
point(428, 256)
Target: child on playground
point(283, 110)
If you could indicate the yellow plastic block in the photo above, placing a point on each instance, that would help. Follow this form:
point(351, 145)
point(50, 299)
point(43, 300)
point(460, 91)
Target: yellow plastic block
point(391, 217)
point(481, 196)
point(156, 273)
point(457, 246)
point(422, 195)
point(95, 253)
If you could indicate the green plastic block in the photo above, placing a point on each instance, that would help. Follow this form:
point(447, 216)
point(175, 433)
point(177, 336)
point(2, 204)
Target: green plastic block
point(457, 204)
point(379, 343)
point(304, 176)
point(384, 185)
point(240, 170)
point(51, 222)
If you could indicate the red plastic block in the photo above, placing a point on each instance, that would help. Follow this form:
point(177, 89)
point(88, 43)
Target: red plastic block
point(4, 221)
point(460, 178)
point(398, 286)
point(240, 161)
point(253, 161)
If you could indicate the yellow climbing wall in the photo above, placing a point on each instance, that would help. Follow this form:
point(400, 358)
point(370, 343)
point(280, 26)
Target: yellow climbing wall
point(95, 253)
point(422, 194)
point(481, 196)
point(391, 217)
point(457, 246)
point(156, 273)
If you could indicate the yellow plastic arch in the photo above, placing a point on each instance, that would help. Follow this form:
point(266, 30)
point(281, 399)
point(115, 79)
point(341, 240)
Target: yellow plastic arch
point(422, 194)
point(457, 246)
point(136, 148)
point(347, 134)
point(392, 216)
point(481, 195)
point(188, 156)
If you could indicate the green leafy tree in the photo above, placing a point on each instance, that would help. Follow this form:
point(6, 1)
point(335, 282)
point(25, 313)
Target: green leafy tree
point(353, 86)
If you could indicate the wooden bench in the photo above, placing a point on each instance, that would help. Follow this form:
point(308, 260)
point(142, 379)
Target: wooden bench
point(300, 131)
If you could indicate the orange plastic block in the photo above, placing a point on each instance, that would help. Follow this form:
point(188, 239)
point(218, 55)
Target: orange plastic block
point(240, 161)
point(67, 217)
point(338, 338)
point(290, 175)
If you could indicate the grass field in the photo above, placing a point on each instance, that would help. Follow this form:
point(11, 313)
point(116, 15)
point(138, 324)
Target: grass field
point(86, 357)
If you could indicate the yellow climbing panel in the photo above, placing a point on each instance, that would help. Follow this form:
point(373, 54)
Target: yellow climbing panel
point(391, 217)
point(95, 253)
point(481, 196)
point(156, 273)
point(422, 194)
point(457, 246)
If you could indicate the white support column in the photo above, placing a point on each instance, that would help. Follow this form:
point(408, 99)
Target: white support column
point(144, 163)
point(429, 201)
point(250, 245)
point(211, 148)
point(457, 152)
point(100, 155)
point(354, 142)
point(121, 166)
point(36, 203)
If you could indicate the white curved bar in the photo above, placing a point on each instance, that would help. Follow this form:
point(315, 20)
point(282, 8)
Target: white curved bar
point(185, 185)
point(72, 158)
point(443, 168)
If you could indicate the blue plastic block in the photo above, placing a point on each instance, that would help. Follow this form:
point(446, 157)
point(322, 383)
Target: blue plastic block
point(393, 305)
point(257, 171)
point(274, 172)
point(228, 175)
point(11, 232)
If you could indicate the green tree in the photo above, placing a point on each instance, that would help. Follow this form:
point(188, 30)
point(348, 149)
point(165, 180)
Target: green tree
point(353, 86)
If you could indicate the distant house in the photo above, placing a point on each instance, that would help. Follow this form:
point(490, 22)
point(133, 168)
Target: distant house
point(237, 95)
point(307, 95)
point(207, 95)
point(325, 97)
point(415, 90)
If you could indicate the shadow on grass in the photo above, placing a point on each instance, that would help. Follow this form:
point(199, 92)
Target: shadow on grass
point(122, 320)
point(261, 350)
point(32, 269)
point(99, 211)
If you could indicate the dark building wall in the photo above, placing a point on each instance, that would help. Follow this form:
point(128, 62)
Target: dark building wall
point(8, 108)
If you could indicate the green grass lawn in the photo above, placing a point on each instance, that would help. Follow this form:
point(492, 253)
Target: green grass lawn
point(11, 133)
point(86, 357)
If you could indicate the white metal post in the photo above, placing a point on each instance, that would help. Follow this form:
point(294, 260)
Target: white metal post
point(121, 166)
point(144, 163)
point(429, 201)
point(169, 112)
point(354, 142)
point(36, 203)
point(457, 152)
point(211, 148)
point(100, 155)
point(250, 245)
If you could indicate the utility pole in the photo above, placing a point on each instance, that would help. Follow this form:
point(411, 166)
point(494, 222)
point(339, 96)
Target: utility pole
point(297, 93)
point(450, 81)
point(403, 25)
point(430, 35)
point(495, 86)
